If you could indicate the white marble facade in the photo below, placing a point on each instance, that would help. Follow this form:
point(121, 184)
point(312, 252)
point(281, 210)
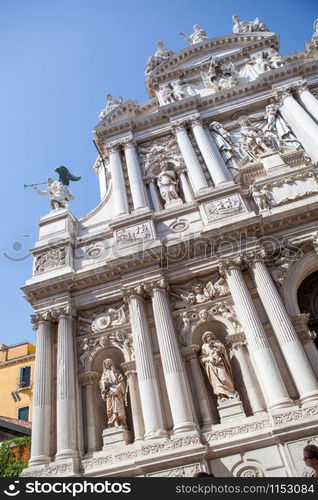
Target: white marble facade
point(208, 222)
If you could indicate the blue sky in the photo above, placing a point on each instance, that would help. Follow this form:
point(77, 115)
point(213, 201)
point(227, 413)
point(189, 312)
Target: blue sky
point(58, 60)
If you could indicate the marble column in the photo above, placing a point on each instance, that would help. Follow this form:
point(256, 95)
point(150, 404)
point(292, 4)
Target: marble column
point(304, 127)
point(42, 399)
point(211, 155)
point(137, 187)
point(87, 381)
point(118, 181)
point(154, 195)
point(308, 100)
point(197, 179)
point(172, 363)
point(287, 338)
point(190, 353)
point(129, 368)
point(307, 339)
point(145, 365)
point(252, 388)
point(265, 365)
point(66, 390)
point(188, 196)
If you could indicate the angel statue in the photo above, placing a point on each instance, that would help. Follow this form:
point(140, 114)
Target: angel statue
point(200, 293)
point(59, 194)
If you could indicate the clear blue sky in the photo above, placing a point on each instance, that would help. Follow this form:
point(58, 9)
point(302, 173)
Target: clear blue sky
point(58, 60)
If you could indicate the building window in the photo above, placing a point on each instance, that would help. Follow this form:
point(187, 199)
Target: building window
point(25, 377)
point(23, 413)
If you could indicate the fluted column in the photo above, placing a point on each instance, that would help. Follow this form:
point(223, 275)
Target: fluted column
point(304, 127)
point(118, 181)
point(173, 369)
point(287, 338)
point(188, 197)
point(308, 100)
point(154, 195)
point(198, 181)
point(66, 390)
point(190, 353)
point(136, 409)
point(211, 155)
point(264, 362)
point(248, 376)
point(42, 398)
point(87, 381)
point(138, 193)
point(147, 378)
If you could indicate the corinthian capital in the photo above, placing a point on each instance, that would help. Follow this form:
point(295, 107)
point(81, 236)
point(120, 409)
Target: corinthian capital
point(179, 125)
point(282, 92)
point(226, 264)
point(64, 310)
point(258, 255)
point(43, 316)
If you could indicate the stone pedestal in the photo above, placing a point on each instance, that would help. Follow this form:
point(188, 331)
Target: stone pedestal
point(115, 436)
point(173, 204)
point(273, 162)
point(231, 409)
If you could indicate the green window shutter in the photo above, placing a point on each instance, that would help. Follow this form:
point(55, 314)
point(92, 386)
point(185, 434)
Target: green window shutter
point(25, 376)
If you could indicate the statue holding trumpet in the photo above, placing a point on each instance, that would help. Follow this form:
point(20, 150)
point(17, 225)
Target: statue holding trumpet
point(59, 194)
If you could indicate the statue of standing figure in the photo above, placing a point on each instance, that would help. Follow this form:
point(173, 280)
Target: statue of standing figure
point(198, 35)
point(217, 366)
point(248, 26)
point(168, 184)
point(113, 389)
point(160, 55)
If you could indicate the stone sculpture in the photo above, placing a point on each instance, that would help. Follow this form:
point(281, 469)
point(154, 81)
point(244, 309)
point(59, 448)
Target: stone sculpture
point(111, 104)
point(198, 35)
point(217, 366)
point(160, 55)
point(248, 26)
point(168, 184)
point(252, 140)
point(59, 194)
point(262, 197)
point(113, 389)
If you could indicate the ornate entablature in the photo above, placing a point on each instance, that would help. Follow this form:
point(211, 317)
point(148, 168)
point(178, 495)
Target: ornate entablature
point(178, 318)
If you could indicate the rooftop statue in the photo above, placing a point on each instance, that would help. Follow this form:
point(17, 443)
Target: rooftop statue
point(248, 26)
point(111, 104)
point(59, 194)
point(198, 35)
point(315, 26)
point(160, 55)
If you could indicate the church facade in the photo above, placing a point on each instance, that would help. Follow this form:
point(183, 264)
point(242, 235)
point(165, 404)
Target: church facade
point(176, 323)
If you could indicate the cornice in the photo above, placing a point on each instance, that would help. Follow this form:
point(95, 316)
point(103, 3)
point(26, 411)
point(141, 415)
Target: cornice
point(22, 359)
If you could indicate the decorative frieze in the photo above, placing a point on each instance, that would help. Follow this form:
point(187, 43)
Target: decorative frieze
point(223, 207)
point(49, 260)
point(132, 235)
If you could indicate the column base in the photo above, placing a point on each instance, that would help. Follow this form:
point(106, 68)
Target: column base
point(158, 434)
point(185, 427)
point(280, 405)
point(66, 455)
point(39, 460)
point(309, 399)
point(115, 436)
point(231, 409)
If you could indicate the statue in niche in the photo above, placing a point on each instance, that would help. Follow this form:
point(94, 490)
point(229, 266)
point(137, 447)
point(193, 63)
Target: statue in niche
point(217, 366)
point(111, 104)
point(276, 126)
point(168, 184)
point(262, 197)
point(113, 389)
point(198, 35)
point(248, 26)
point(226, 143)
point(160, 55)
point(252, 140)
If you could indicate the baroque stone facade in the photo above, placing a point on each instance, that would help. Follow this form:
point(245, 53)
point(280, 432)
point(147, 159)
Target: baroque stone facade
point(176, 322)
